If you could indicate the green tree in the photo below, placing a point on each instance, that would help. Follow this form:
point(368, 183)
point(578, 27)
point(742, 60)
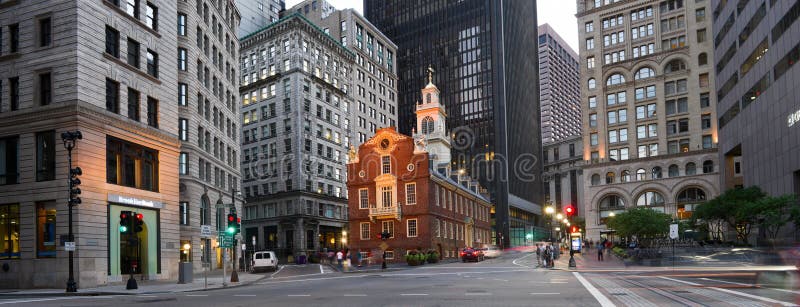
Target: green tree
point(644, 223)
point(776, 212)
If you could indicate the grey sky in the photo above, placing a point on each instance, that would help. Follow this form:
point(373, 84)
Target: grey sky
point(560, 14)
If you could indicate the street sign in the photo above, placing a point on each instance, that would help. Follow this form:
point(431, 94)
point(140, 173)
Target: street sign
point(69, 246)
point(673, 231)
point(205, 230)
point(225, 240)
point(383, 246)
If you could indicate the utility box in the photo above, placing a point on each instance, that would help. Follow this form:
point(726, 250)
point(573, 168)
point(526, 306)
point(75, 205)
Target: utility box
point(185, 273)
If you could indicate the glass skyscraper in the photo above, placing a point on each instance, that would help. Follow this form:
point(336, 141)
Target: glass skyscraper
point(485, 57)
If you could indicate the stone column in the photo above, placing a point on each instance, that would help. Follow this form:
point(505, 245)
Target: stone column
point(316, 238)
point(299, 244)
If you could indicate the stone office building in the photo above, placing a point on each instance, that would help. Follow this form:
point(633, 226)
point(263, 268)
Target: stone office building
point(104, 68)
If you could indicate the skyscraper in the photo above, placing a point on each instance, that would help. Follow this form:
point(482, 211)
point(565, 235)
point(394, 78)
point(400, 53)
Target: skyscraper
point(559, 91)
point(657, 149)
point(758, 110)
point(257, 14)
point(485, 57)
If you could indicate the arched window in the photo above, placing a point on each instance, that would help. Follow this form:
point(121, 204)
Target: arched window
point(702, 59)
point(656, 173)
point(675, 65)
point(610, 206)
point(687, 200)
point(427, 125)
point(643, 73)
point(595, 179)
point(691, 169)
point(205, 210)
point(428, 98)
point(673, 171)
point(708, 167)
point(650, 198)
point(609, 177)
point(640, 174)
point(592, 83)
point(615, 79)
point(625, 176)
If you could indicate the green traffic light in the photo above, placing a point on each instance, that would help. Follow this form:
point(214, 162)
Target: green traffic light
point(529, 236)
point(122, 228)
point(231, 230)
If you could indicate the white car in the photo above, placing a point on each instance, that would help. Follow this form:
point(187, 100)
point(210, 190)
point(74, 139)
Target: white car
point(265, 261)
point(492, 251)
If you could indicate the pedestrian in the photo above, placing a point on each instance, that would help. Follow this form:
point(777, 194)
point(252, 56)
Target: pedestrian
point(339, 256)
point(358, 258)
point(548, 256)
point(538, 255)
point(600, 248)
point(383, 264)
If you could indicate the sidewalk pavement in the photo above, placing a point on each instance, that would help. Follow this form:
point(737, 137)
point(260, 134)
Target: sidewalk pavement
point(215, 281)
point(588, 261)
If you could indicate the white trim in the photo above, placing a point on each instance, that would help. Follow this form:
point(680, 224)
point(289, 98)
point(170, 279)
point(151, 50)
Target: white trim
point(408, 228)
point(361, 232)
point(360, 200)
point(415, 193)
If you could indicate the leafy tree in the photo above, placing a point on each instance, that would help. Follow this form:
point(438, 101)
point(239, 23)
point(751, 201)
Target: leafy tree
point(640, 222)
point(776, 212)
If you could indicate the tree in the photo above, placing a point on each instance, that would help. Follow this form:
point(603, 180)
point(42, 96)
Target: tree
point(776, 212)
point(640, 222)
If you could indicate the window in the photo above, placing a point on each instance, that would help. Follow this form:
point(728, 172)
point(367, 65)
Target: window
point(650, 198)
point(46, 229)
point(615, 79)
point(674, 66)
point(610, 204)
point(151, 16)
point(388, 226)
point(592, 120)
point(152, 63)
point(45, 32)
point(703, 80)
point(184, 213)
point(592, 102)
point(411, 193)
point(640, 174)
point(593, 139)
point(152, 112)
point(131, 165)
point(589, 26)
point(625, 176)
point(609, 177)
point(14, 37)
point(707, 142)
point(364, 231)
point(112, 41)
point(45, 156)
point(182, 94)
point(181, 59)
point(181, 24)
point(691, 169)
point(590, 62)
point(9, 160)
point(644, 73)
point(675, 106)
point(112, 96)
point(183, 129)
point(205, 210)
point(589, 43)
point(363, 198)
point(592, 83)
point(9, 231)
point(386, 165)
point(132, 8)
point(708, 167)
point(411, 226)
point(645, 92)
point(45, 89)
point(133, 53)
point(133, 104)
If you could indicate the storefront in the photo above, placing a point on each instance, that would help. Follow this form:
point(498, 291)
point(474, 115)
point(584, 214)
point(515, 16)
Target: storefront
point(133, 251)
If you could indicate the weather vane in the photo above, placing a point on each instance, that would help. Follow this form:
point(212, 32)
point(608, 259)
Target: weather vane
point(430, 74)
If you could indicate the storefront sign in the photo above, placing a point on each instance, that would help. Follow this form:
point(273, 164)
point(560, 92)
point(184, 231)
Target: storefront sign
point(133, 201)
point(794, 118)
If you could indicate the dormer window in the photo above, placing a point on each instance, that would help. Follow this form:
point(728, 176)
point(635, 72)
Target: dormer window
point(427, 125)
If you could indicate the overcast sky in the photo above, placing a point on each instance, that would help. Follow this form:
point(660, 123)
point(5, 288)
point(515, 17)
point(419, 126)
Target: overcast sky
point(559, 14)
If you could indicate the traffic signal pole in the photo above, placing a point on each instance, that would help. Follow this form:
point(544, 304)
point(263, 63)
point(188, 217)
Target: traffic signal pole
point(69, 138)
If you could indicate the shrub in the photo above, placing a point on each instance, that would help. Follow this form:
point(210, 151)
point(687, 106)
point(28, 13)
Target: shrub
point(413, 258)
point(619, 252)
point(433, 257)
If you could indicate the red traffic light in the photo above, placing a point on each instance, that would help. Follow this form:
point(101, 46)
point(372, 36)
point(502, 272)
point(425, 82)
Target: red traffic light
point(573, 229)
point(139, 216)
point(238, 220)
point(123, 215)
point(569, 210)
point(230, 218)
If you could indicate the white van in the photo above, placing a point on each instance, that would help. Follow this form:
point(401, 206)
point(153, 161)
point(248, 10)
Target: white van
point(265, 261)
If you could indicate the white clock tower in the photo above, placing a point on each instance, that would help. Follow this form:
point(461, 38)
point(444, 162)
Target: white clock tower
point(431, 132)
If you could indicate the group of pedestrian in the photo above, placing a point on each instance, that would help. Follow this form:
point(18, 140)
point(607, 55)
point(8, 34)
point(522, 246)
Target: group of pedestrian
point(545, 255)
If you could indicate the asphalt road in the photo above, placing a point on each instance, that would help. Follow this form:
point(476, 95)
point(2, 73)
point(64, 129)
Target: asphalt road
point(511, 280)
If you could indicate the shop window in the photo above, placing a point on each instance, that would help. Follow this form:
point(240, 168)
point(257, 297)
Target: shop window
point(46, 230)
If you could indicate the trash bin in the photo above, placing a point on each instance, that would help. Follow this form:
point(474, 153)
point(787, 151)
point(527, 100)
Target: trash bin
point(301, 259)
point(185, 274)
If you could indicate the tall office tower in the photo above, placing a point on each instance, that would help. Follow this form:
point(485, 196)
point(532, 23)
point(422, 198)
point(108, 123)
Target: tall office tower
point(296, 137)
point(484, 54)
point(108, 71)
point(563, 178)
point(756, 48)
point(209, 121)
point(559, 91)
point(257, 14)
point(374, 78)
point(658, 149)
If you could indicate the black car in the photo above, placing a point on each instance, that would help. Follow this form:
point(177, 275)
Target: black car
point(472, 254)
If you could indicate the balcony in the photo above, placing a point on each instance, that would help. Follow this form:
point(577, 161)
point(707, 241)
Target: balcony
point(379, 213)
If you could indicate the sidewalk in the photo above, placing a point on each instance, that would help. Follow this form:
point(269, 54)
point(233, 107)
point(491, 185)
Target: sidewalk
point(215, 281)
point(588, 260)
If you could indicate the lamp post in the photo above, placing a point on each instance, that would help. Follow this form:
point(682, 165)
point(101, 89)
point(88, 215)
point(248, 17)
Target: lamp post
point(69, 138)
point(234, 274)
point(549, 210)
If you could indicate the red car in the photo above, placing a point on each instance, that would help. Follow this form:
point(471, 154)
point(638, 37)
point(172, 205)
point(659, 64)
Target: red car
point(472, 254)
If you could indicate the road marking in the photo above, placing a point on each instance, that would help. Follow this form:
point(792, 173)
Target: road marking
point(413, 294)
point(602, 299)
point(300, 295)
point(477, 293)
point(49, 299)
point(310, 279)
point(545, 293)
point(760, 298)
point(751, 285)
point(355, 295)
point(520, 258)
point(147, 296)
point(278, 271)
point(321, 271)
point(197, 295)
point(246, 295)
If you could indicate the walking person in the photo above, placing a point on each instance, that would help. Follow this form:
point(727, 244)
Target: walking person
point(358, 258)
point(538, 255)
point(339, 256)
point(600, 250)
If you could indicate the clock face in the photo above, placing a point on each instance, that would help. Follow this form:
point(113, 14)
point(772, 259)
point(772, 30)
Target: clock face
point(385, 143)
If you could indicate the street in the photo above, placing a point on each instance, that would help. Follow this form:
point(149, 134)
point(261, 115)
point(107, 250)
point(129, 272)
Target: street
point(511, 280)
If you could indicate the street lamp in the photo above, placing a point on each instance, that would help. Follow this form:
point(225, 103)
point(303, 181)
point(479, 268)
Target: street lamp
point(69, 138)
point(549, 210)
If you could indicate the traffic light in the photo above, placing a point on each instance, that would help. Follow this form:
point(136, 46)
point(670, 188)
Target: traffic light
point(569, 210)
point(138, 222)
point(231, 223)
point(573, 229)
point(385, 235)
point(124, 221)
point(238, 225)
point(74, 182)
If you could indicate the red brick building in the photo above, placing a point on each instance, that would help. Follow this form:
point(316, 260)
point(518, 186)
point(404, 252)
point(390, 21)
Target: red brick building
point(394, 186)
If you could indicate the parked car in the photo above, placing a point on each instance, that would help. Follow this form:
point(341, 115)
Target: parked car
point(265, 260)
point(471, 254)
point(492, 251)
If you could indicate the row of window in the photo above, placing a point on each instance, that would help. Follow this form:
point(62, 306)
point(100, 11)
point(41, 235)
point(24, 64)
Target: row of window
point(133, 55)
point(655, 173)
point(45, 158)
point(43, 35)
point(292, 207)
point(217, 178)
point(204, 142)
point(134, 8)
point(685, 202)
point(134, 103)
point(10, 230)
point(216, 117)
